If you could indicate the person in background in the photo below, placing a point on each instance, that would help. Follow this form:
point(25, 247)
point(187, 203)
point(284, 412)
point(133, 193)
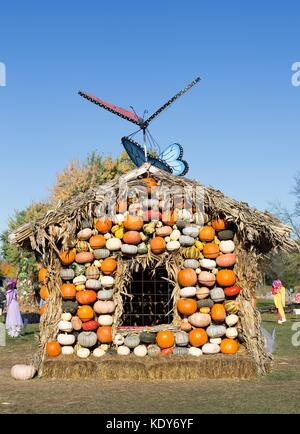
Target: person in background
point(13, 323)
point(278, 291)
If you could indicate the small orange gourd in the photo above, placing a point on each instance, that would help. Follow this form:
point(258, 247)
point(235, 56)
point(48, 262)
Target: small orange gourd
point(218, 312)
point(229, 346)
point(219, 224)
point(42, 275)
point(108, 266)
point(211, 250)
point(133, 223)
point(207, 233)
point(53, 349)
point(226, 277)
point(186, 306)
point(158, 245)
point(165, 339)
point(103, 225)
point(198, 337)
point(44, 294)
point(97, 241)
point(85, 313)
point(104, 334)
point(68, 257)
point(187, 277)
point(68, 291)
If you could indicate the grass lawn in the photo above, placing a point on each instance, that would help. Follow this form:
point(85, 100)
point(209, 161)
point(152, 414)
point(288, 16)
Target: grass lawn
point(277, 392)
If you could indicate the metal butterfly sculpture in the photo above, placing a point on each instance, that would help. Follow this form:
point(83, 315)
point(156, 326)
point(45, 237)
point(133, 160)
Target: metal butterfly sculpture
point(170, 159)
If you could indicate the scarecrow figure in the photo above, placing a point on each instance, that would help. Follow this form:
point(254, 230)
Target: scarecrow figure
point(278, 291)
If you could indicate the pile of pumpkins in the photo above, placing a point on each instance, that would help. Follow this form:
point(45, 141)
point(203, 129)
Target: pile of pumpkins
point(207, 281)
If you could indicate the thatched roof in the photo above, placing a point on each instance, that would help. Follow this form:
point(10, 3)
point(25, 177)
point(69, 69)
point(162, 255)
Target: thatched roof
point(259, 229)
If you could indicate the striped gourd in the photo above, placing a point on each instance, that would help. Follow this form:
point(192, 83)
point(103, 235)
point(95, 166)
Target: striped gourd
point(191, 253)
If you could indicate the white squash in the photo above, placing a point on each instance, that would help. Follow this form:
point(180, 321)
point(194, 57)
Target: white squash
point(118, 219)
point(191, 263)
point(123, 350)
point(93, 284)
point(83, 353)
point(85, 234)
point(231, 332)
point(67, 350)
point(105, 320)
point(231, 320)
point(173, 245)
point(113, 244)
point(188, 291)
point(107, 281)
point(79, 280)
point(140, 351)
point(227, 246)
point(98, 352)
point(66, 316)
point(208, 264)
point(104, 347)
point(215, 341)
point(191, 231)
point(118, 339)
point(23, 372)
point(194, 351)
point(65, 339)
point(175, 235)
point(186, 241)
point(65, 326)
point(210, 348)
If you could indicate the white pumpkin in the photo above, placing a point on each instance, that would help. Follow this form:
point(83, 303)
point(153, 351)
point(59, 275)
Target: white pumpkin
point(191, 263)
point(104, 347)
point(194, 351)
point(113, 244)
point(118, 339)
point(98, 352)
point(83, 353)
point(66, 350)
point(79, 280)
point(231, 320)
point(215, 341)
point(188, 291)
point(227, 246)
point(66, 316)
point(175, 235)
point(85, 234)
point(105, 320)
point(93, 284)
point(107, 236)
point(191, 231)
point(186, 241)
point(184, 215)
point(208, 264)
point(210, 348)
point(231, 332)
point(107, 281)
point(140, 351)
point(123, 350)
point(23, 372)
point(65, 339)
point(65, 326)
point(118, 219)
point(173, 245)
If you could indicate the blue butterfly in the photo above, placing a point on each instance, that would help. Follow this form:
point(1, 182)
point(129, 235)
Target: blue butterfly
point(169, 160)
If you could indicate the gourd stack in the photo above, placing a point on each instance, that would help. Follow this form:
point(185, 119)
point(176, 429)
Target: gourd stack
point(207, 283)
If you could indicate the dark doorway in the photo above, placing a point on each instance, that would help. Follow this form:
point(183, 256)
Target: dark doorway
point(151, 299)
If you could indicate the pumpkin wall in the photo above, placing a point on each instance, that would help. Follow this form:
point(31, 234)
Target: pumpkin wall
point(92, 280)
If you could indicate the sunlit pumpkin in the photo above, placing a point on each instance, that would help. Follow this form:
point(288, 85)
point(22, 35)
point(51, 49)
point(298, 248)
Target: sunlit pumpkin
point(229, 346)
point(97, 241)
point(227, 260)
point(169, 218)
point(218, 312)
point(186, 306)
point(53, 349)
point(231, 291)
point(165, 339)
point(198, 337)
point(219, 224)
point(104, 334)
point(226, 277)
point(133, 223)
point(68, 291)
point(87, 296)
point(206, 233)
point(85, 313)
point(68, 257)
point(158, 245)
point(132, 237)
point(103, 225)
point(150, 183)
point(44, 294)
point(42, 275)
point(108, 266)
point(211, 250)
point(187, 277)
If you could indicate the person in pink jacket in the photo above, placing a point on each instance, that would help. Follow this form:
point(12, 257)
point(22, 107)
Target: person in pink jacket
point(278, 291)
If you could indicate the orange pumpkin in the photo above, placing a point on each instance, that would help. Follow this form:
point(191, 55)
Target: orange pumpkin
point(185, 325)
point(68, 291)
point(219, 224)
point(104, 334)
point(227, 260)
point(169, 218)
point(150, 183)
point(229, 346)
point(85, 313)
point(186, 306)
point(53, 349)
point(67, 257)
point(42, 275)
point(218, 312)
point(104, 225)
point(84, 257)
point(132, 237)
point(187, 277)
point(158, 245)
point(198, 337)
point(211, 250)
point(97, 241)
point(226, 278)
point(165, 339)
point(166, 351)
point(44, 294)
point(108, 266)
point(133, 223)
point(42, 310)
point(207, 233)
point(87, 296)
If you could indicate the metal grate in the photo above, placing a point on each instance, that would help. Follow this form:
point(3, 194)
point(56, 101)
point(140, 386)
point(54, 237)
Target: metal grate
point(151, 299)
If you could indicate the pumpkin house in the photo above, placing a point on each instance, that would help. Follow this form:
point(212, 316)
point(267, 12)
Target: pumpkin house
point(153, 272)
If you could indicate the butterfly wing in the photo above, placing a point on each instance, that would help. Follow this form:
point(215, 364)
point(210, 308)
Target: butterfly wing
point(119, 111)
point(172, 155)
point(137, 155)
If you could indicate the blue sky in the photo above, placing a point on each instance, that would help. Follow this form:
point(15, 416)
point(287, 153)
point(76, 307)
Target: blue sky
point(239, 127)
